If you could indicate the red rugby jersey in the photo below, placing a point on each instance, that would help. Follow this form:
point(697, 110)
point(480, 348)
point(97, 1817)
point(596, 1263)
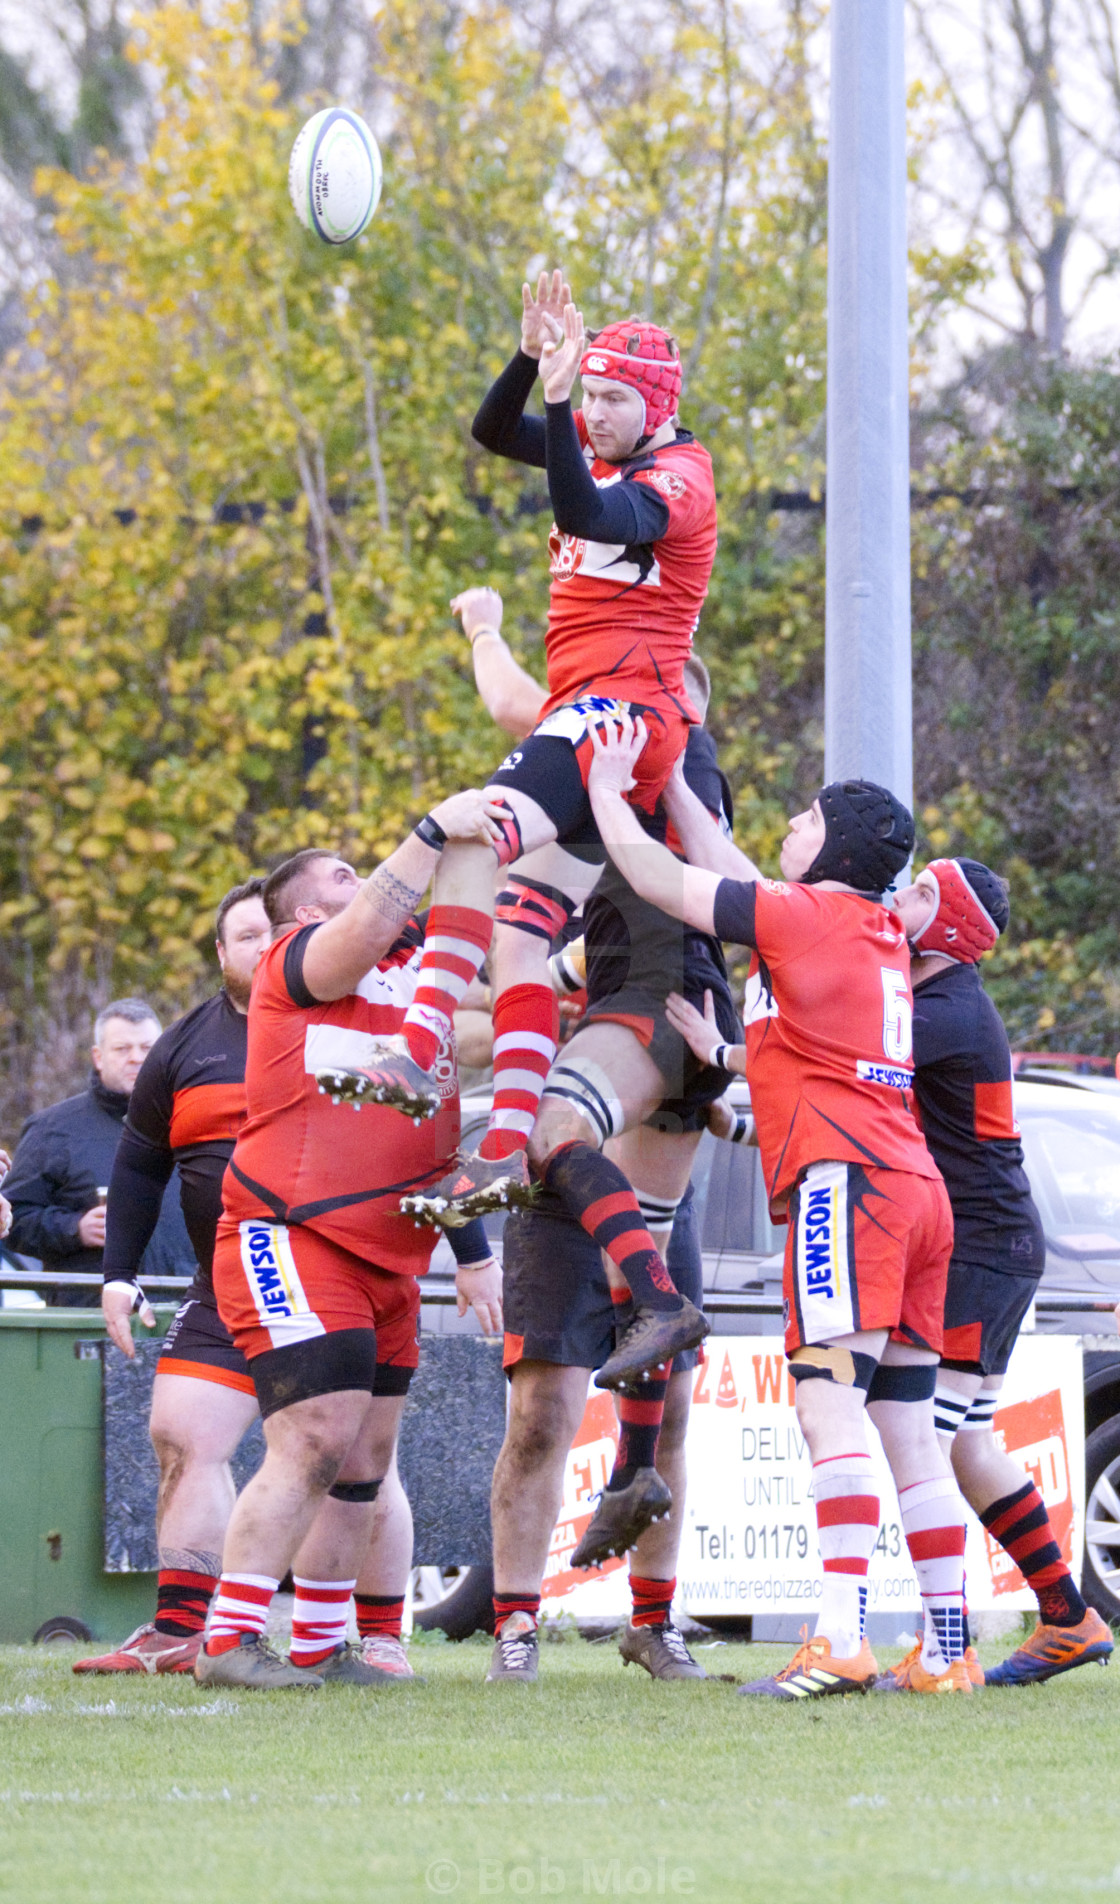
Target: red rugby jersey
point(829, 1019)
point(301, 1159)
point(621, 620)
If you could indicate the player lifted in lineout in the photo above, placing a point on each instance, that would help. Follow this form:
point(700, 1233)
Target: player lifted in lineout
point(631, 555)
point(828, 1055)
point(627, 1082)
point(952, 914)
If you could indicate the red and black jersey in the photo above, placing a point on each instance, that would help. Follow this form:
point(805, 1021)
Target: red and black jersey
point(827, 1015)
point(630, 553)
point(962, 1081)
point(186, 1108)
point(301, 1159)
point(621, 617)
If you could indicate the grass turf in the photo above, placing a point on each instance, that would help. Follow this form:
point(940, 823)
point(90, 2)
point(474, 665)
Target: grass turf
point(596, 1782)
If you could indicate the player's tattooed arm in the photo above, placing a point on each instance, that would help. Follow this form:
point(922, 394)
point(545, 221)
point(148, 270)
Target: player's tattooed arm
point(390, 897)
point(341, 951)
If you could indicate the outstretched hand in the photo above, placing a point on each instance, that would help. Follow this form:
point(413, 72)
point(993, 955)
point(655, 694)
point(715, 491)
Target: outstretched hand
point(551, 297)
point(701, 1035)
point(471, 818)
point(615, 748)
point(561, 353)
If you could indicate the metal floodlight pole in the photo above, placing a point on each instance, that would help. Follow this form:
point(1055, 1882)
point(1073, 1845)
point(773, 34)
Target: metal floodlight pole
point(868, 717)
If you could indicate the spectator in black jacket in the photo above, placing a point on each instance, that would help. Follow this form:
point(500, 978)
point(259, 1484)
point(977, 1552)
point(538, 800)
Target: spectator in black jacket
point(64, 1160)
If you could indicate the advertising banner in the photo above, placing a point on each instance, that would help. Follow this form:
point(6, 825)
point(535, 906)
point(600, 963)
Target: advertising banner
point(749, 1544)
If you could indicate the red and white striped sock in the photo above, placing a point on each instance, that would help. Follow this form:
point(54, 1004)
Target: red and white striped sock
point(933, 1519)
point(319, 1617)
point(239, 1606)
point(847, 1503)
point(526, 1030)
point(456, 941)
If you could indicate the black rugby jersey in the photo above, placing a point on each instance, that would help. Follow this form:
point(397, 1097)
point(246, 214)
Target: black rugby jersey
point(625, 939)
point(186, 1109)
point(962, 1083)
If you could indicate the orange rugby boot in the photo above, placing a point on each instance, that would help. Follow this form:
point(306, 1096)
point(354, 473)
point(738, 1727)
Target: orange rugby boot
point(911, 1676)
point(813, 1673)
point(1054, 1649)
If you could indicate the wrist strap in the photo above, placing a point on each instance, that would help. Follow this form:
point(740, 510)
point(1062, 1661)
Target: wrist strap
point(431, 833)
point(479, 632)
point(741, 1128)
point(719, 1058)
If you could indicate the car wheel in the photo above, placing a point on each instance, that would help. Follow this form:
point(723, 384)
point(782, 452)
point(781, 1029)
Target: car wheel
point(63, 1630)
point(1101, 1576)
point(456, 1600)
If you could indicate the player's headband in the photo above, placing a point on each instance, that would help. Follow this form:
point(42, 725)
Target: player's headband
point(643, 357)
point(868, 836)
point(961, 927)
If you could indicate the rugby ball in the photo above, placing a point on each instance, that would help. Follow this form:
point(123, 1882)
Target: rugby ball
point(334, 175)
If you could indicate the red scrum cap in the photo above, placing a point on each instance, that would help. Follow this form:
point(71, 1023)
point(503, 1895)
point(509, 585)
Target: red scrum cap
point(970, 914)
point(642, 356)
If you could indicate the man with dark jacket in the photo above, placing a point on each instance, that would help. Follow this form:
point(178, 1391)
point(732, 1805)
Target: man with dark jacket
point(64, 1160)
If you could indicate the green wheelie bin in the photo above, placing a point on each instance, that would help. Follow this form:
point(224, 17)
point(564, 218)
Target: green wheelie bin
point(52, 1579)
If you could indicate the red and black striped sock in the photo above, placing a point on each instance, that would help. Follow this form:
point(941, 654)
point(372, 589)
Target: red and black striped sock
point(595, 1192)
point(379, 1615)
point(507, 1603)
point(1022, 1527)
point(653, 1600)
point(640, 1410)
point(183, 1601)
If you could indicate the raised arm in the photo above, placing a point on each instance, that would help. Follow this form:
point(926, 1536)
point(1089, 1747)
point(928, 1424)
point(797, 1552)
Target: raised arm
point(702, 840)
point(684, 892)
point(339, 954)
point(501, 425)
point(509, 694)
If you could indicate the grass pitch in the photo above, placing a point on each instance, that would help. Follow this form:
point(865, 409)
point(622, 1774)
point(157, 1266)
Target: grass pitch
point(594, 1783)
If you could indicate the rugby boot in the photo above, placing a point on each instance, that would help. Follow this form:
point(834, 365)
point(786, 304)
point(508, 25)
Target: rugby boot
point(621, 1516)
point(911, 1676)
point(661, 1650)
point(385, 1652)
point(253, 1664)
point(392, 1077)
point(476, 1187)
point(516, 1650)
point(1051, 1650)
point(654, 1335)
point(975, 1670)
point(349, 1666)
point(813, 1673)
point(146, 1651)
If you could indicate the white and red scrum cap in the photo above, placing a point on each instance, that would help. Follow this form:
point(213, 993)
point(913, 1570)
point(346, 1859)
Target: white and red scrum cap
point(970, 914)
point(644, 357)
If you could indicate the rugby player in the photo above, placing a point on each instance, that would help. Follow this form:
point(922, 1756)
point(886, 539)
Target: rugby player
point(186, 1108)
point(650, 1112)
point(952, 914)
point(315, 1266)
point(632, 549)
point(828, 1054)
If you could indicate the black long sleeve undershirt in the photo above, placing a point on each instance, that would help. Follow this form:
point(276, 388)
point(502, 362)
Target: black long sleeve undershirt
point(141, 1174)
point(501, 425)
point(627, 513)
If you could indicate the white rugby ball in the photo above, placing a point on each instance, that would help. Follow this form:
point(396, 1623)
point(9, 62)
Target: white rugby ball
point(334, 175)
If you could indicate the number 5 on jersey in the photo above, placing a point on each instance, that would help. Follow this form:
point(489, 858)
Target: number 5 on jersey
point(898, 1016)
